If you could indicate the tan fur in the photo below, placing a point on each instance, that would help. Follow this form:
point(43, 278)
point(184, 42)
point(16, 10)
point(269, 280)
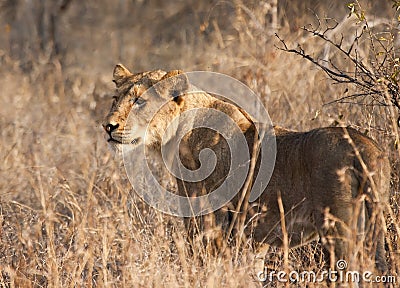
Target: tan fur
point(315, 171)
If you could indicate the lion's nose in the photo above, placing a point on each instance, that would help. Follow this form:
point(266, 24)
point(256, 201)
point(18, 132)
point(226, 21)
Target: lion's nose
point(109, 127)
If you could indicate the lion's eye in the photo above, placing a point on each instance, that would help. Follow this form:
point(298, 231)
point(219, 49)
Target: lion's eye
point(138, 101)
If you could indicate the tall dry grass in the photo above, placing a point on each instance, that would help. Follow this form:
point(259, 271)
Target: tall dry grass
point(68, 215)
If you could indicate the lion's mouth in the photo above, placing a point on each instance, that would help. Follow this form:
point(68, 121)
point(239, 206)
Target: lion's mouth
point(113, 140)
point(135, 141)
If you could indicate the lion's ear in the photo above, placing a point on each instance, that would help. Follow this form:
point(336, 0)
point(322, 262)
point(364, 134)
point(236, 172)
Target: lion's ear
point(120, 74)
point(173, 85)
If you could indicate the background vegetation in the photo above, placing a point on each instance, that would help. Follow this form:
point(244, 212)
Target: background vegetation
point(67, 217)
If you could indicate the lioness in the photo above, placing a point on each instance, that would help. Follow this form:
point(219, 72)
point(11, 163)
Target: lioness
point(326, 169)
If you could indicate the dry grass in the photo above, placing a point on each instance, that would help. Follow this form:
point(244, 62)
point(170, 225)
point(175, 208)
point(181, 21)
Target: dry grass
point(68, 215)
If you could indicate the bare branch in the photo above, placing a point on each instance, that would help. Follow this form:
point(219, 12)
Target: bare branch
point(374, 78)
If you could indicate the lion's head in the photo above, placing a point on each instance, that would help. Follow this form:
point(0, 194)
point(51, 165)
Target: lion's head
point(140, 97)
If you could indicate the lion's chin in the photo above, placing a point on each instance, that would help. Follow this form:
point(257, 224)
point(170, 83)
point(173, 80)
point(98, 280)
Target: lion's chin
point(119, 148)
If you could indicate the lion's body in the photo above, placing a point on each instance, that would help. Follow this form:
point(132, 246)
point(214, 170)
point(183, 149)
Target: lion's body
point(324, 172)
point(314, 172)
